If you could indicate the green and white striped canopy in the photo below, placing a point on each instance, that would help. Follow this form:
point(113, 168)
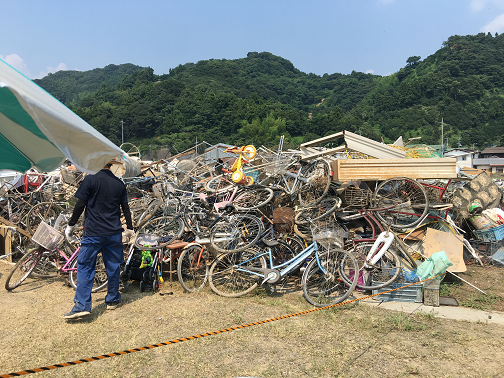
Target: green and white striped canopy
point(36, 130)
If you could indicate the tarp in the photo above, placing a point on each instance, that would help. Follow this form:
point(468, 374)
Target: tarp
point(36, 130)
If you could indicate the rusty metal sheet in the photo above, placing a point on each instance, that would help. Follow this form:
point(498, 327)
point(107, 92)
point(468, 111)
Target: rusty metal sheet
point(382, 169)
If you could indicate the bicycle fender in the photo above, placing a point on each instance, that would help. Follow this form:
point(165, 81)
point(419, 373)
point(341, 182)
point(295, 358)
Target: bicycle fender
point(386, 238)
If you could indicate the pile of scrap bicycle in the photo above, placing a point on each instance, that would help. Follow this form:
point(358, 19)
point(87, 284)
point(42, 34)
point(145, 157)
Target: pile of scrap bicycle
point(331, 220)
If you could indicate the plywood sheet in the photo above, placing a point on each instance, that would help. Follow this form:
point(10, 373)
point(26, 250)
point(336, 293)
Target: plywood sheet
point(382, 169)
point(436, 241)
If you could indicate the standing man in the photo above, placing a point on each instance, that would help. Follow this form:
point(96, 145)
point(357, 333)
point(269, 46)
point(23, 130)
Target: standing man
point(102, 196)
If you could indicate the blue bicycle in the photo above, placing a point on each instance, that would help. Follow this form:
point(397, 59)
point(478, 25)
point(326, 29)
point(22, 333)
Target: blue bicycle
point(236, 274)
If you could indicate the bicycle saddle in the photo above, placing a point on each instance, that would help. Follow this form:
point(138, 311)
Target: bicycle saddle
point(269, 243)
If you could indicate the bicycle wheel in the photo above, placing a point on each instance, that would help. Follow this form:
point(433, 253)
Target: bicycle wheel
point(318, 176)
point(23, 268)
point(281, 252)
point(149, 213)
point(100, 278)
point(235, 233)
point(227, 279)
point(218, 183)
point(397, 191)
point(164, 229)
point(19, 244)
point(322, 210)
point(296, 243)
point(254, 198)
point(322, 280)
point(192, 268)
point(374, 276)
point(44, 211)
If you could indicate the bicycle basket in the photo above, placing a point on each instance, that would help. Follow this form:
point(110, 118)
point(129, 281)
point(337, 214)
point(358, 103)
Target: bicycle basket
point(276, 164)
point(329, 233)
point(356, 197)
point(47, 236)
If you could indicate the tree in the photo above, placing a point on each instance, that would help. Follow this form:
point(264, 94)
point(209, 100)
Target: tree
point(262, 132)
point(413, 61)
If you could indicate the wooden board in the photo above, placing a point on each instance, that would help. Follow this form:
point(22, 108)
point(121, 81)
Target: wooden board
point(436, 241)
point(382, 169)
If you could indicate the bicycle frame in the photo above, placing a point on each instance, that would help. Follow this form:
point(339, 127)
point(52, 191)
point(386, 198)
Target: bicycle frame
point(297, 179)
point(69, 260)
point(288, 265)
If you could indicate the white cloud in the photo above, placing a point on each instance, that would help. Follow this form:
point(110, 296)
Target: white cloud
point(17, 62)
point(496, 25)
point(370, 71)
point(60, 67)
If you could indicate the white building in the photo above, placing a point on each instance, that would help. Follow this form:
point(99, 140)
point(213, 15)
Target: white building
point(464, 157)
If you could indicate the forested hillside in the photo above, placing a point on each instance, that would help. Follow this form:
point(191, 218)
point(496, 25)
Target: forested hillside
point(70, 86)
point(257, 99)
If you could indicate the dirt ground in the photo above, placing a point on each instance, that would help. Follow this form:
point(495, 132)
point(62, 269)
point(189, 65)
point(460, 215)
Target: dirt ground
point(351, 341)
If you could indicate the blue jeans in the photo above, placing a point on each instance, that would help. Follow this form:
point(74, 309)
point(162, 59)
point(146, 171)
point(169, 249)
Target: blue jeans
point(112, 253)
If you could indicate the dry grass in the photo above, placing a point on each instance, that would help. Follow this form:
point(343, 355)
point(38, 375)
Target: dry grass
point(489, 278)
point(354, 341)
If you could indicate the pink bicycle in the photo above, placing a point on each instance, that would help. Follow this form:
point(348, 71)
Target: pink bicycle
point(53, 257)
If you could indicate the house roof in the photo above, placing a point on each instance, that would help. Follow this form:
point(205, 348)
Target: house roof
point(493, 150)
point(457, 153)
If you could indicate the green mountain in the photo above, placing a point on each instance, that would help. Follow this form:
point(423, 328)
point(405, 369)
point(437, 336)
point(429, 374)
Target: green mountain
point(462, 84)
point(70, 86)
point(256, 99)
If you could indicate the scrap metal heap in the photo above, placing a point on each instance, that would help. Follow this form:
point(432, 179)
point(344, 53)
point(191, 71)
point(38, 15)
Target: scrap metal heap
point(352, 193)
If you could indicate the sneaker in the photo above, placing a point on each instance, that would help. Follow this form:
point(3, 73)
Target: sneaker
point(113, 305)
point(76, 314)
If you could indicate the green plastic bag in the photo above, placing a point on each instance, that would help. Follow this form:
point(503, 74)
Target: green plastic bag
point(434, 265)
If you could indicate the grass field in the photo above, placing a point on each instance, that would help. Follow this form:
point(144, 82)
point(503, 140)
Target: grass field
point(351, 341)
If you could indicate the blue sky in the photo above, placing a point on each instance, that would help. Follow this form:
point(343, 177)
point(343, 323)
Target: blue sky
point(318, 36)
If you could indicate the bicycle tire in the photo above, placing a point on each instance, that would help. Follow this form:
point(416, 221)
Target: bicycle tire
point(192, 268)
point(227, 281)
point(396, 191)
point(23, 268)
point(253, 198)
point(166, 229)
point(218, 183)
point(149, 212)
point(296, 243)
point(100, 278)
point(323, 209)
point(43, 211)
point(325, 289)
point(384, 272)
point(315, 189)
point(235, 233)
point(281, 252)
point(19, 244)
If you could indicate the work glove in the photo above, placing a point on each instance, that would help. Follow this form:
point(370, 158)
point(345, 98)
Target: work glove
point(69, 232)
point(128, 236)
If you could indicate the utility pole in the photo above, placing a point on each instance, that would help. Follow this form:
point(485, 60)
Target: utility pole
point(442, 135)
point(459, 144)
point(122, 131)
